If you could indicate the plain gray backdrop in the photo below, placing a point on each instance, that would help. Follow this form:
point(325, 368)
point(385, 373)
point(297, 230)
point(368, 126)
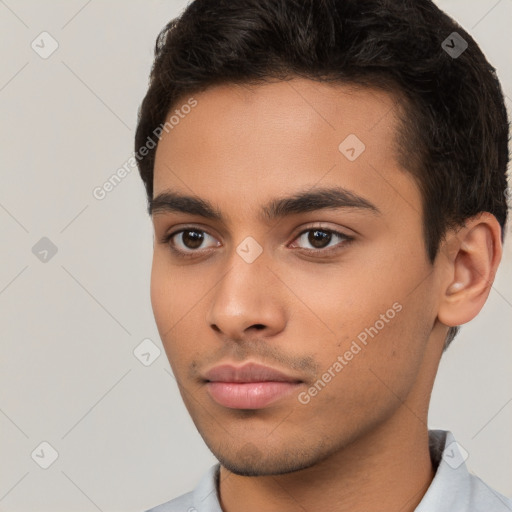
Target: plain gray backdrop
point(74, 274)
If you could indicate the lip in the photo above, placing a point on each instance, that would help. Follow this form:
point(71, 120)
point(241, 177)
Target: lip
point(252, 386)
point(250, 372)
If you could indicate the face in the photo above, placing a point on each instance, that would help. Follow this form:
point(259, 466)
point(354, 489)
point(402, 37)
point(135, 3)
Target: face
point(310, 261)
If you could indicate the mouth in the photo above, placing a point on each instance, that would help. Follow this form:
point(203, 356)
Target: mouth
point(252, 386)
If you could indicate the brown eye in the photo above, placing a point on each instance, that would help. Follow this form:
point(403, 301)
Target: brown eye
point(319, 240)
point(192, 239)
point(189, 242)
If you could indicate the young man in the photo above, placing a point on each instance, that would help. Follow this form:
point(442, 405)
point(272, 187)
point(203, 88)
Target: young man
point(326, 180)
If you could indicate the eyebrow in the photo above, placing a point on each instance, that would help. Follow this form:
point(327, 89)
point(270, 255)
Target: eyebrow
point(300, 202)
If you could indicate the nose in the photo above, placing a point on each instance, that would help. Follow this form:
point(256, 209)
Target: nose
point(247, 300)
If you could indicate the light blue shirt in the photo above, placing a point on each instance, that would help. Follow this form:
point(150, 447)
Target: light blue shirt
point(453, 489)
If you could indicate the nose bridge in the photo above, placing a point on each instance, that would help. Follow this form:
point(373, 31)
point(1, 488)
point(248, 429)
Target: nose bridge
point(242, 286)
point(246, 295)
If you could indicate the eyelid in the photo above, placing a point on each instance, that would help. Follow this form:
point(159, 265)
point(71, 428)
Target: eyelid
point(168, 234)
point(167, 237)
point(346, 239)
point(323, 227)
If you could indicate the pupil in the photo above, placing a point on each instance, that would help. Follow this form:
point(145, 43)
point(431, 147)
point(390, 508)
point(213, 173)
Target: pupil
point(319, 239)
point(194, 241)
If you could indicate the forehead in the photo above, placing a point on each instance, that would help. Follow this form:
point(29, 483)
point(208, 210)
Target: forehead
point(255, 142)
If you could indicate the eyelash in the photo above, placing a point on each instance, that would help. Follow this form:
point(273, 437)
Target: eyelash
point(191, 253)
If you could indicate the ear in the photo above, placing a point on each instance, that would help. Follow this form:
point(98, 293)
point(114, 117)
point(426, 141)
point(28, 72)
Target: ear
point(472, 255)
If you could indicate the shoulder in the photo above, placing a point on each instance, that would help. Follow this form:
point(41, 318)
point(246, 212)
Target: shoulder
point(484, 498)
point(454, 487)
point(204, 498)
point(183, 503)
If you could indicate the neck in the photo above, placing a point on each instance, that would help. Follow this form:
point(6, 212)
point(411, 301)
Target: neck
point(387, 469)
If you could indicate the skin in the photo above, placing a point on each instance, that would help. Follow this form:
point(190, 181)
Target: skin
point(362, 442)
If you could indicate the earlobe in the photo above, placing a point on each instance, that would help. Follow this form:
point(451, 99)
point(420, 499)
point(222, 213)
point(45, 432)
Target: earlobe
point(474, 255)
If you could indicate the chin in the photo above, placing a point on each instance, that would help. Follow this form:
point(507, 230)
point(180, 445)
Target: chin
point(262, 468)
point(249, 460)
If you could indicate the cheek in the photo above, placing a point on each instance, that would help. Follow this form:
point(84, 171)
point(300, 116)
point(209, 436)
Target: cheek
point(343, 299)
point(179, 296)
point(369, 371)
point(172, 300)
point(378, 312)
point(175, 291)
point(160, 293)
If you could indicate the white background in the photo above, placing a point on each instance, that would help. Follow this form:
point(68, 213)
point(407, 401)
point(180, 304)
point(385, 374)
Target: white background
point(68, 327)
